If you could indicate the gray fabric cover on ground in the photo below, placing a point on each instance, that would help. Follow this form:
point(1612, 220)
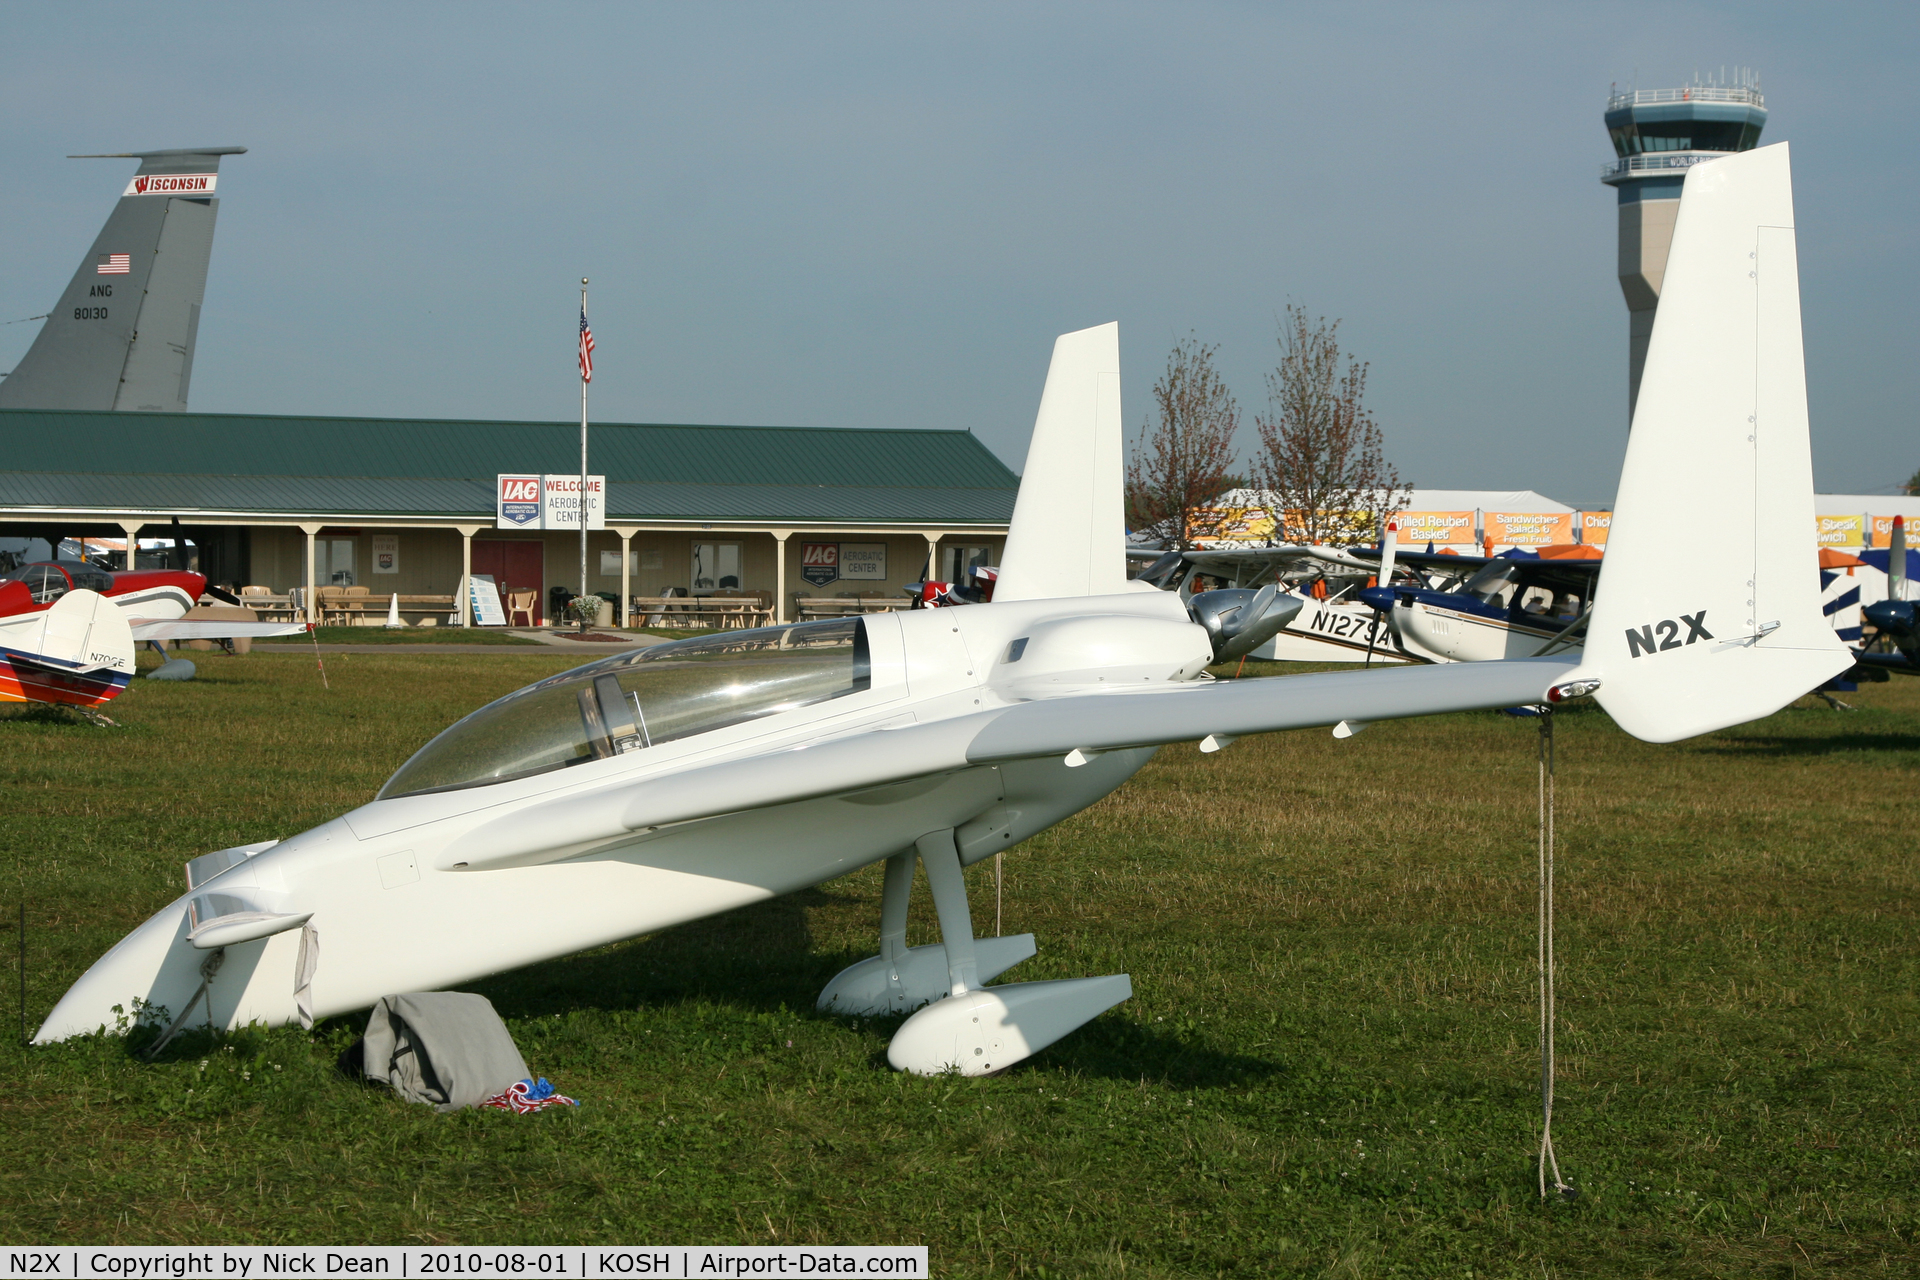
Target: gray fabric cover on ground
point(445, 1048)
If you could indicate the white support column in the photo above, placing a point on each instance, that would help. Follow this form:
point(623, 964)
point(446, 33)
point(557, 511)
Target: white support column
point(626, 577)
point(133, 528)
point(313, 604)
point(780, 537)
point(933, 557)
point(465, 600)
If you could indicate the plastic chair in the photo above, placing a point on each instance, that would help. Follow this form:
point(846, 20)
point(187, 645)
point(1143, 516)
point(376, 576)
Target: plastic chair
point(521, 602)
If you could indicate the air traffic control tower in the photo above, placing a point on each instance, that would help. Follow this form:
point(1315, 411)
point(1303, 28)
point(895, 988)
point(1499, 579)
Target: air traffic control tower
point(1658, 134)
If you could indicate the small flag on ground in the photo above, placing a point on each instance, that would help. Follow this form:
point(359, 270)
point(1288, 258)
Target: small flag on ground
point(114, 264)
point(586, 348)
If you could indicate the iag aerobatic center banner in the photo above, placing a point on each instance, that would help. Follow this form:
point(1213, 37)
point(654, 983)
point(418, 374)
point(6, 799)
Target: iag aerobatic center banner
point(529, 501)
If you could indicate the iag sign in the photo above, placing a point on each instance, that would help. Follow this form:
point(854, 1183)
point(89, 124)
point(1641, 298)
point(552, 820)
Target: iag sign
point(825, 562)
point(548, 502)
point(517, 502)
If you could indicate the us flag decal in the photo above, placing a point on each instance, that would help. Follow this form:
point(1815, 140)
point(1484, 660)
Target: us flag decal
point(114, 264)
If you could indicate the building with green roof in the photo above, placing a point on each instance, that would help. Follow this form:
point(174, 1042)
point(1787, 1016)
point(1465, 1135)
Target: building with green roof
point(408, 506)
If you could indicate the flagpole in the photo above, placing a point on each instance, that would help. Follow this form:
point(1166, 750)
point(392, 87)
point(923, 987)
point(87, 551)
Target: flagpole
point(584, 378)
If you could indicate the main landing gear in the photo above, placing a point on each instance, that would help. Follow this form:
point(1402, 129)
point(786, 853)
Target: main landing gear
point(963, 1027)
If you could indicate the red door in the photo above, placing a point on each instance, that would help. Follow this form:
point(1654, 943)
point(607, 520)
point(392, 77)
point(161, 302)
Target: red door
point(513, 566)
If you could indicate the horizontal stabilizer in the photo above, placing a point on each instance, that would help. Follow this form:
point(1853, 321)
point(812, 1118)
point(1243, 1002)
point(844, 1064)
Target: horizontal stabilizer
point(216, 629)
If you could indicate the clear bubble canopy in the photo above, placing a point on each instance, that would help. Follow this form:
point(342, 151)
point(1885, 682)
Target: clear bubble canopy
point(635, 701)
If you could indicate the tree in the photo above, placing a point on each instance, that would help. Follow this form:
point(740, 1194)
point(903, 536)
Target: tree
point(1321, 460)
point(1912, 486)
point(1185, 462)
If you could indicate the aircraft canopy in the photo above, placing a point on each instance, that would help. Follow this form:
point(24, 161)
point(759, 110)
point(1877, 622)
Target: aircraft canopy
point(638, 700)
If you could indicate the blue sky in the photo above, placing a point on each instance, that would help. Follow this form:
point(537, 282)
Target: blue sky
point(880, 215)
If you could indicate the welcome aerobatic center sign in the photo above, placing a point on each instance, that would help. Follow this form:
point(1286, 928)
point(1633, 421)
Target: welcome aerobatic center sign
point(528, 501)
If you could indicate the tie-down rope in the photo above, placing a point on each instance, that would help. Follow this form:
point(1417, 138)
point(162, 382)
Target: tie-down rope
point(1547, 1157)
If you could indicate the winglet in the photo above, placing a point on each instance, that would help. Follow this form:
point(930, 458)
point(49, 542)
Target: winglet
point(1068, 536)
point(1719, 457)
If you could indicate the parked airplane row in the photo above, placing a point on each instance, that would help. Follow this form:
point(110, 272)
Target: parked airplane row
point(68, 630)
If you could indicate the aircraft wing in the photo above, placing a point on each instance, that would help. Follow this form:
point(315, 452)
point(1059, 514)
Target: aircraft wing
point(145, 629)
point(1369, 559)
point(1231, 708)
point(1089, 723)
point(1228, 555)
point(1283, 554)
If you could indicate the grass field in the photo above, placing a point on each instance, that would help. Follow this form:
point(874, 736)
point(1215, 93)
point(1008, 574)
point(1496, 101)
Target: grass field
point(1328, 1067)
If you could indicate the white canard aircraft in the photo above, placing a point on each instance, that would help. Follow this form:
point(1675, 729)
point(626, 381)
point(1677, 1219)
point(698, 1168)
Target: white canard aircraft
point(638, 792)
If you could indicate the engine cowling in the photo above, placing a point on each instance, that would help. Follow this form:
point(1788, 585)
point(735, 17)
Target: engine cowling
point(1239, 620)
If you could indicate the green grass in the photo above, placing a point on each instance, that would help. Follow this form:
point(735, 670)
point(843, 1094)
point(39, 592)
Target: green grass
point(1328, 1067)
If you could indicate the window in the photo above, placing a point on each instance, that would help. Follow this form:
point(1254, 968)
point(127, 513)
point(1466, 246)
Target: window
point(1537, 601)
point(91, 579)
point(1494, 583)
point(635, 701)
point(1650, 136)
point(333, 562)
point(716, 566)
point(956, 561)
point(46, 582)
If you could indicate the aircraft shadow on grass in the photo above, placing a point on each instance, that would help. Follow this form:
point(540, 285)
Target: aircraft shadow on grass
point(757, 957)
point(1835, 744)
point(763, 957)
point(46, 714)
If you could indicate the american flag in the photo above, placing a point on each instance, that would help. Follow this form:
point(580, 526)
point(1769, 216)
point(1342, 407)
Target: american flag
point(586, 348)
point(114, 264)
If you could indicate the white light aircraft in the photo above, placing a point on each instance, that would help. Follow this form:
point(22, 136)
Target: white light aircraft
point(652, 788)
point(1330, 626)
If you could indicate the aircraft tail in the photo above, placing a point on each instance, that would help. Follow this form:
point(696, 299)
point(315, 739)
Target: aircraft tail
point(77, 653)
point(123, 334)
point(1068, 536)
point(1718, 462)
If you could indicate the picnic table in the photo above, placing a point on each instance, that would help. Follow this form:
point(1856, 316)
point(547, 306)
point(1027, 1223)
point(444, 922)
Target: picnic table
point(843, 607)
point(720, 612)
point(339, 609)
point(270, 608)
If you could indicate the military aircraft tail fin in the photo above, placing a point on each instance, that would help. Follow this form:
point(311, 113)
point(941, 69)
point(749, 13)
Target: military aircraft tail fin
point(1068, 536)
point(1718, 460)
point(123, 334)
